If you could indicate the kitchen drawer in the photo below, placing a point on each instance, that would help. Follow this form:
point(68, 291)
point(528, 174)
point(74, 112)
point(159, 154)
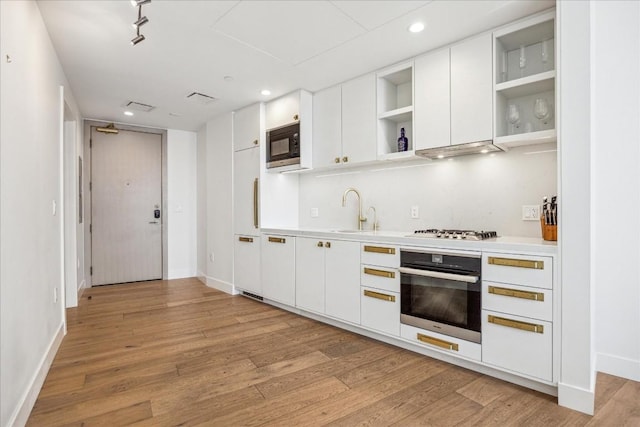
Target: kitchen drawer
point(387, 279)
point(518, 344)
point(246, 267)
point(380, 310)
point(445, 343)
point(534, 303)
point(526, 270)
point(382, 255)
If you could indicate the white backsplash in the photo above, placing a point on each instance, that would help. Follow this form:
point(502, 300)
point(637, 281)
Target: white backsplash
point(478, 192)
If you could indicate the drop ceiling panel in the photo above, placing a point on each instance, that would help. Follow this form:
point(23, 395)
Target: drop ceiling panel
point(288, 30)
point(372, 14)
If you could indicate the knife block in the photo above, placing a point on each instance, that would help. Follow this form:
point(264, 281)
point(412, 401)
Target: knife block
point(549, 232)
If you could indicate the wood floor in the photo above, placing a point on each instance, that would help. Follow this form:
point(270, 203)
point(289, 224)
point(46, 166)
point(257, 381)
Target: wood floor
point(178, 353)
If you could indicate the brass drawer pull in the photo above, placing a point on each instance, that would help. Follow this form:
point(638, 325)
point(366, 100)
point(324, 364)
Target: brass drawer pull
point(255, 142)
point(530, 327)
point(535, 296)
point(521, 263)
point(277, 240)
point(380, 250)
point(337, 160)
point(438, 342)
point(319, 244)
point(378, 295)
point(380, 273)
point(246, 239)
point(345, 159)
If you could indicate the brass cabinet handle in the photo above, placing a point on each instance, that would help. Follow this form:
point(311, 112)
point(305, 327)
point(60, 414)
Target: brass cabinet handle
point(245, 239)
point(319, 244)
point(295, 117)
point(381, 273)
point(520, 263)
point(380, 250)
point(277, 240)
point(438, 342)
point(345, 159)
point(327, 244)
point(255, 202)
point(337, 160)
point(535, 296)
point(378, 295)
point(516, 324)
point(255, 142)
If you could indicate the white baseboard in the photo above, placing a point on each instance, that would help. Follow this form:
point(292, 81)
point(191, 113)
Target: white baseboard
point(81, 288)
point(202, 277)
point(179, 273)
point(576, 398)
point(28, 399)
point(618, 366)
point(221, 285)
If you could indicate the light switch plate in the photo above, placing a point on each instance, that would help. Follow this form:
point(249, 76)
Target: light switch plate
point(530, 212)
point(415, 212)
point(314, 212)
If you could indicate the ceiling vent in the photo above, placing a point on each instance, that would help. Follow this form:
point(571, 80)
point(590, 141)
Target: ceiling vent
point(138, 106)
point(201, 98)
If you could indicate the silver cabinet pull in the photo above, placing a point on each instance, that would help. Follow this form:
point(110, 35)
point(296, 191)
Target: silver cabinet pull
point(438, 275)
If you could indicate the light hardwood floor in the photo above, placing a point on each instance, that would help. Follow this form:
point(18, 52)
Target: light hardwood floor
point(178, 353)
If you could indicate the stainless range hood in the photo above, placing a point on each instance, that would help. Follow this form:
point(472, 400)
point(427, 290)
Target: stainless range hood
point(459, 150)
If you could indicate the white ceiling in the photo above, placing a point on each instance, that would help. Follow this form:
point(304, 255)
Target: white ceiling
point(191, 46)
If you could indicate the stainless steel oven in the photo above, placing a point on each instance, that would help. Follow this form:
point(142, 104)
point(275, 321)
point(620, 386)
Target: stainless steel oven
point(283, 146)
point(440, 291)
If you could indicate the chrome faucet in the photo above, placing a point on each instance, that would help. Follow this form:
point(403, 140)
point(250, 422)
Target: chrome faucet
point(361, 218)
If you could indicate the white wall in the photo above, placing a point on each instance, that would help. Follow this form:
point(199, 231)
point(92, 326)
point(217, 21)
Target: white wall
point(202, 202)
point(181, 195)
point(577, 370)
point(219, 155)
point(616, 189)
point(30, 248)
point(483, 192)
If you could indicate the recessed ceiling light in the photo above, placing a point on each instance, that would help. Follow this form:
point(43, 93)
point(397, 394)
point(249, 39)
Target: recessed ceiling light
point(440, 156)
point(128, 113)
point(416, 27)
point(228, 78)
point(485, 151)
point(265, 92)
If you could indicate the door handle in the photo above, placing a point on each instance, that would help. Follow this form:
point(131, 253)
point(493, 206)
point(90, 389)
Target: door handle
point(255, 202)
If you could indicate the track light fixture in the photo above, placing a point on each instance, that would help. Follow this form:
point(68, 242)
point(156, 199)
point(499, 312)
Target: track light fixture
point(140, 22)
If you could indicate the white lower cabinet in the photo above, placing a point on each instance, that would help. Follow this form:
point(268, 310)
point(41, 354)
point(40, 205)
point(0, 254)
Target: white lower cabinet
point(519, 344)
point(310, 274)
point(278, 268)
point(380, 310)
point(342, 280)
point(328, 277)
point(445, 343)
point(246, 264)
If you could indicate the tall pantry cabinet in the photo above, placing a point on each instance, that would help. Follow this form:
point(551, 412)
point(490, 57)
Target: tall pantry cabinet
point(246, 186)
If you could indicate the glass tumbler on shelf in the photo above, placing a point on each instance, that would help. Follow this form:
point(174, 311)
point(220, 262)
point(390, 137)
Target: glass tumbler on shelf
point(541, 110)
point(513, 117)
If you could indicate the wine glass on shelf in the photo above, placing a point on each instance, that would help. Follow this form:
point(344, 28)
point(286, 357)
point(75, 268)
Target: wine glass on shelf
point(513, 117)
point(541, 110)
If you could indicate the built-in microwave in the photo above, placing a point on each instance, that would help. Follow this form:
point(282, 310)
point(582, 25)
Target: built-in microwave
point(283, 145)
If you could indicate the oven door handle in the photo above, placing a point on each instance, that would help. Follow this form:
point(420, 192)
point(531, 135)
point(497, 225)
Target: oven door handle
point(438, 275)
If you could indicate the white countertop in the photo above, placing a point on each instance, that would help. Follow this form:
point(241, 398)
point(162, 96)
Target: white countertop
point(510, 244)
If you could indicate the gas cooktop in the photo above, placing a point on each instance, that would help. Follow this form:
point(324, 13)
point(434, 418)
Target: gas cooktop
point(455, 234)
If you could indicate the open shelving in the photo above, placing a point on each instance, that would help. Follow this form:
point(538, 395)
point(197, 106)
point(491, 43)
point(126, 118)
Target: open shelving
point(395, 109)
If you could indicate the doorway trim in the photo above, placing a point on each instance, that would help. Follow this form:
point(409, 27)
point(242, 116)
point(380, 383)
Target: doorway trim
point(88, 123)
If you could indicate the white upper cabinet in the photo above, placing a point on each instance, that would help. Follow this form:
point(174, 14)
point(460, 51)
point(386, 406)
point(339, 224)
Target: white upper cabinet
point(432, 103)
point(285, 110)
point(524, 58)
point(344, 123)
point(246, 127)
point(359, 120)
point(471, 90)
point(327, 121)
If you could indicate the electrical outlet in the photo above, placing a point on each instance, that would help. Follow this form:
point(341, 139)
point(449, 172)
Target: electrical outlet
point(415, 212)
point(314, 212)
point(530, 212)
point(211, 257)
